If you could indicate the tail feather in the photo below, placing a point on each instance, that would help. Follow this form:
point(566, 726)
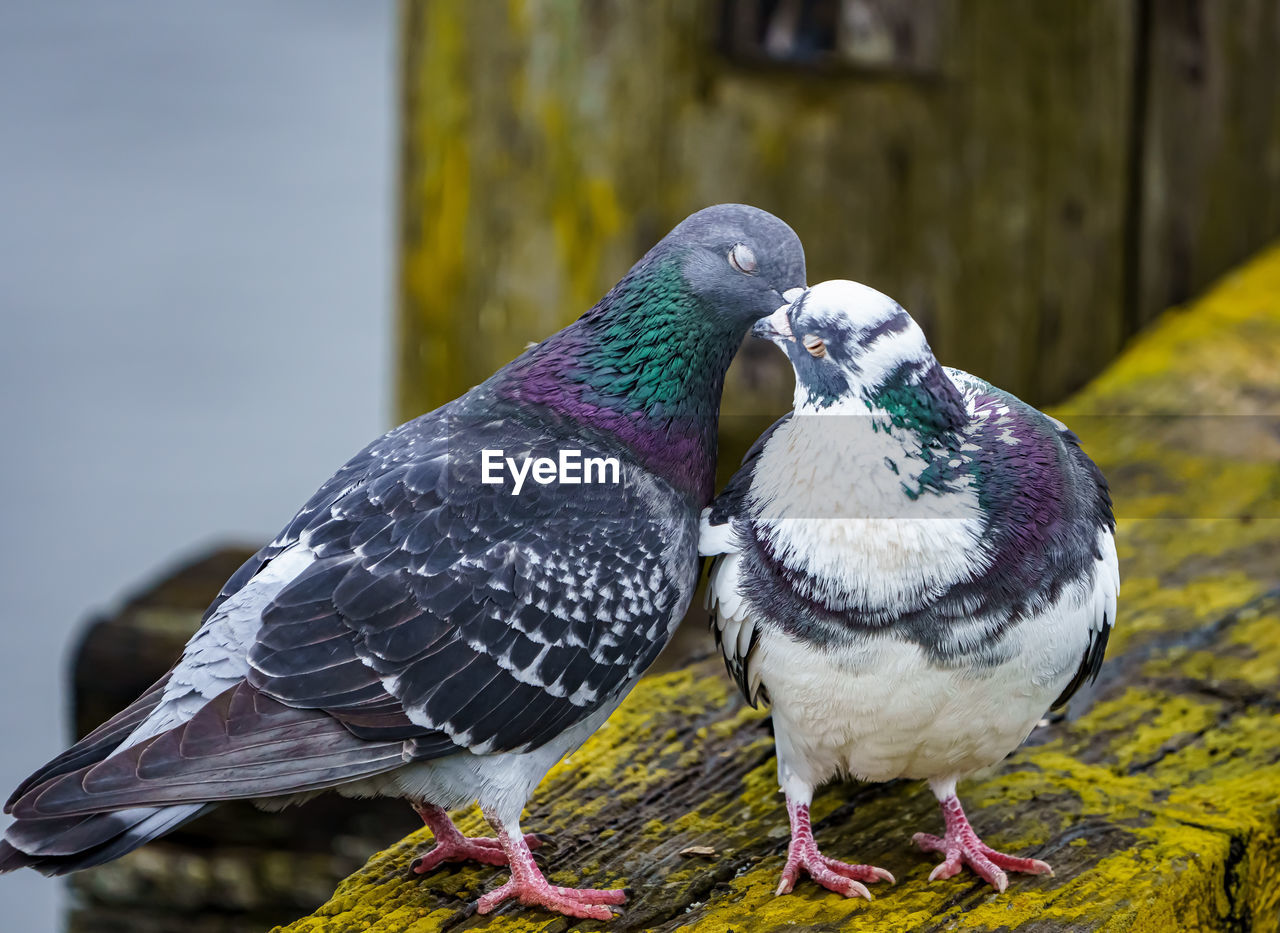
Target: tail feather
point(60, 846)
point(242, 744)
point(68, 835)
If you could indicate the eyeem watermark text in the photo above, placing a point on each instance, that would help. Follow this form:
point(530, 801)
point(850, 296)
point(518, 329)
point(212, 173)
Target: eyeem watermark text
point(569, 468)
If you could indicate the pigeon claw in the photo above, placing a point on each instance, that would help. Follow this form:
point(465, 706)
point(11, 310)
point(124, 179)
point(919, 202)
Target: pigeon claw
point(483, 849)
point(452, 846)
point(530, 887)
point(834, 875)
point(961, 846)
point(584, 903)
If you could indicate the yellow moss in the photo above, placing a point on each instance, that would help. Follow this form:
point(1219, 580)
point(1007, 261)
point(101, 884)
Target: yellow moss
point(1252, 658)
point(1258, 634)
point(1146, 723)
point(1151, 607)
point(1234, 769)
point(1149, 544)
point(1202, 356)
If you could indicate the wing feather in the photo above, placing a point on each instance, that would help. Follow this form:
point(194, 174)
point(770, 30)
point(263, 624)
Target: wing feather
point(1106, 591)
point(484, 616)
point(98, 744)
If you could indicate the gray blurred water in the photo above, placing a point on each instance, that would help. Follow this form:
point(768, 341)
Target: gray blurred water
point(195, 257)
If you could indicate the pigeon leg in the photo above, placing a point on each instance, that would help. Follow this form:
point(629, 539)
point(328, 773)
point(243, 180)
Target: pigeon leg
point(833, 875)
point(452, 846)
point(530, 887)
point(961, 846)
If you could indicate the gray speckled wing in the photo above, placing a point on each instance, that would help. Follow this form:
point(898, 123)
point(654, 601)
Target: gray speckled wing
point(494, 619)
point(433, 614)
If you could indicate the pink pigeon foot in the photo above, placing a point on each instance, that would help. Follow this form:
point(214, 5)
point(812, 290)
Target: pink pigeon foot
point(452, 846)
point(833, 875)
point(961, 846)
point(528, 885)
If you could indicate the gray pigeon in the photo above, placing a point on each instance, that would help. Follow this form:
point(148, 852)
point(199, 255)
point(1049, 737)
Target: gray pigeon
point(912, 567)
point(464, 602)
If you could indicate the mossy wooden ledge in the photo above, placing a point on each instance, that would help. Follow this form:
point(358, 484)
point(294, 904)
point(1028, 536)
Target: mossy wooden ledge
point(1157, 801)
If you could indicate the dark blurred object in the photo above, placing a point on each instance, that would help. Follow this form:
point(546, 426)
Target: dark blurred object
point(1033, 181)
point(238, 869)
point(875, 36)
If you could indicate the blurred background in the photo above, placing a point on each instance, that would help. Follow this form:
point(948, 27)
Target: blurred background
point(195, 277)
point(240, 239)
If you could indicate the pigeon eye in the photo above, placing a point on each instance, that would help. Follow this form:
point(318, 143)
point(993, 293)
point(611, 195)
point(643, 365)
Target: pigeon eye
point(816, 346)
point(742, 259)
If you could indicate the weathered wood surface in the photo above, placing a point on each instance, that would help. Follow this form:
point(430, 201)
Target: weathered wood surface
point(1157, 802)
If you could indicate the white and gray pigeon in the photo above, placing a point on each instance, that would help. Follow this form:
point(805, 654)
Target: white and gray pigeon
point(417, 631)
point(911, 567)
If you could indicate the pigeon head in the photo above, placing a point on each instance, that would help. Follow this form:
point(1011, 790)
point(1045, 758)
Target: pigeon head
point(845, 340)
point(849, 343)
point(739, 263)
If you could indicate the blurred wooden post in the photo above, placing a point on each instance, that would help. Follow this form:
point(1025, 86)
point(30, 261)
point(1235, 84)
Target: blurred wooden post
point(1210, 163)
point(1022, 176)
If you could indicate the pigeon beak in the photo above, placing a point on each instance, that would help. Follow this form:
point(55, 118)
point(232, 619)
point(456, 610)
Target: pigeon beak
point(775, 327)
